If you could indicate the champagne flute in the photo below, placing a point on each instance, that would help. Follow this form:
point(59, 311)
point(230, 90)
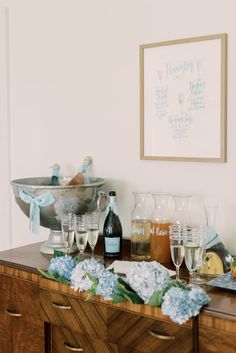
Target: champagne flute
point(192, 251)
point(81, 234)
point(93, 229)
point(176, 246)
point(68, 227)
point(203, 232)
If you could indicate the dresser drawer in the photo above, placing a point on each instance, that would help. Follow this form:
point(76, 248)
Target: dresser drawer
point(77, 315)
point(140, 334)
point(21, 329)
point(212, 341)
point(19, 299)
point(66, 341)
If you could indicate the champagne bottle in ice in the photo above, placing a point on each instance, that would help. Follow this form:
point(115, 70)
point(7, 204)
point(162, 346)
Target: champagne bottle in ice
point(56, 175)
point(82, 176)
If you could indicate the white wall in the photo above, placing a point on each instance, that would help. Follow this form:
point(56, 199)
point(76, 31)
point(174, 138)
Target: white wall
point(5, 206)
point(74, 91)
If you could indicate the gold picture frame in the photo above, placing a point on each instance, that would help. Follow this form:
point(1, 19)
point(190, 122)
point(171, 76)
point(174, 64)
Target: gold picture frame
point(183, 99)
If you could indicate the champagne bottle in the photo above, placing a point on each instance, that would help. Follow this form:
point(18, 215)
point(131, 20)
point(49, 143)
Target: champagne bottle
point(82, 177)
point(56, 175)
point(112, 230)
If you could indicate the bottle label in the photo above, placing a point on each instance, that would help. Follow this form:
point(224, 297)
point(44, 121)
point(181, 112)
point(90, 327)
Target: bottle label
point(140, 229)
point(160, 229)
point(112, 245)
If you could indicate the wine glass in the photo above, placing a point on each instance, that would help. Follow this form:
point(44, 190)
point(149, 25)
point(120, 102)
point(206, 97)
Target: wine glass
point(93, 229)
point(192, 250)
point(68, 227)
point(202, 233)
point(81, 234)
point(176, 246)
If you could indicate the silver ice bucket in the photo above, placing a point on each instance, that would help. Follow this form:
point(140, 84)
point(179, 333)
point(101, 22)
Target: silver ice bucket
point(66, 198)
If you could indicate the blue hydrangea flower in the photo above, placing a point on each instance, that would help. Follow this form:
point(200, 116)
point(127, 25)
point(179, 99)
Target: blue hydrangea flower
point(180, 304)
point(106, 285)
point(147, 277)
point(198, 298)
point(62, 266)
point(79, 280)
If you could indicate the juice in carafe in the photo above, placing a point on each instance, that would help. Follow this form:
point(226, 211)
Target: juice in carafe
point(140, 228)
point(160, 243)
point(140, 240)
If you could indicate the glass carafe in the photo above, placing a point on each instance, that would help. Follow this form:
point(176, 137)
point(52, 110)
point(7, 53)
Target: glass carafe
point(160, 222)
point(140, 228)
point(181, 215)
point(214, 242)
point(210, 213)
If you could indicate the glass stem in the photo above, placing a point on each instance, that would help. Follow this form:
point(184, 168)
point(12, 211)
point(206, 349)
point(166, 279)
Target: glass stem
point(81, 255)
point(197, 273)
point(194, 274)
point(177, 273)
point(92, 253)
point(191, 277)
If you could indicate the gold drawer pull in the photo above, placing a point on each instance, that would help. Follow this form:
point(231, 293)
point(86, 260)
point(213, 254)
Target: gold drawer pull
point(161, 337)
point(60, 306)
point(12, 313)
point(74, 349)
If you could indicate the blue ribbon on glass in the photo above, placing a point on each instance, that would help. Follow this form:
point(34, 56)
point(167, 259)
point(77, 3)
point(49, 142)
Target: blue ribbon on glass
point(36, 202)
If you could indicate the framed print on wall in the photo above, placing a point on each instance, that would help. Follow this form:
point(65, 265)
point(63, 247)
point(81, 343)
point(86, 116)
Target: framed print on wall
point(183, 92)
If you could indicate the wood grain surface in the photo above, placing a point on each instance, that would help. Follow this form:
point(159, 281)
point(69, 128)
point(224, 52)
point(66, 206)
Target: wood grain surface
point(97, 325)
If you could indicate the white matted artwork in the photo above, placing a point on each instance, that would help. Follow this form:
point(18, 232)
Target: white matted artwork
point(183, 99)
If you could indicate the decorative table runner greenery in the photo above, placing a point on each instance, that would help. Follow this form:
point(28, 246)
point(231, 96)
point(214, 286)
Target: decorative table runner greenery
point(147, 283)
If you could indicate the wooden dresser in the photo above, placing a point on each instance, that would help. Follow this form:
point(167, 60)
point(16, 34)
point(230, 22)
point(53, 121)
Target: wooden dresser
point(42, 316)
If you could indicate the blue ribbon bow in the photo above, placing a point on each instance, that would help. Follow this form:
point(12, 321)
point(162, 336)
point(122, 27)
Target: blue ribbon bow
point(43, 200)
